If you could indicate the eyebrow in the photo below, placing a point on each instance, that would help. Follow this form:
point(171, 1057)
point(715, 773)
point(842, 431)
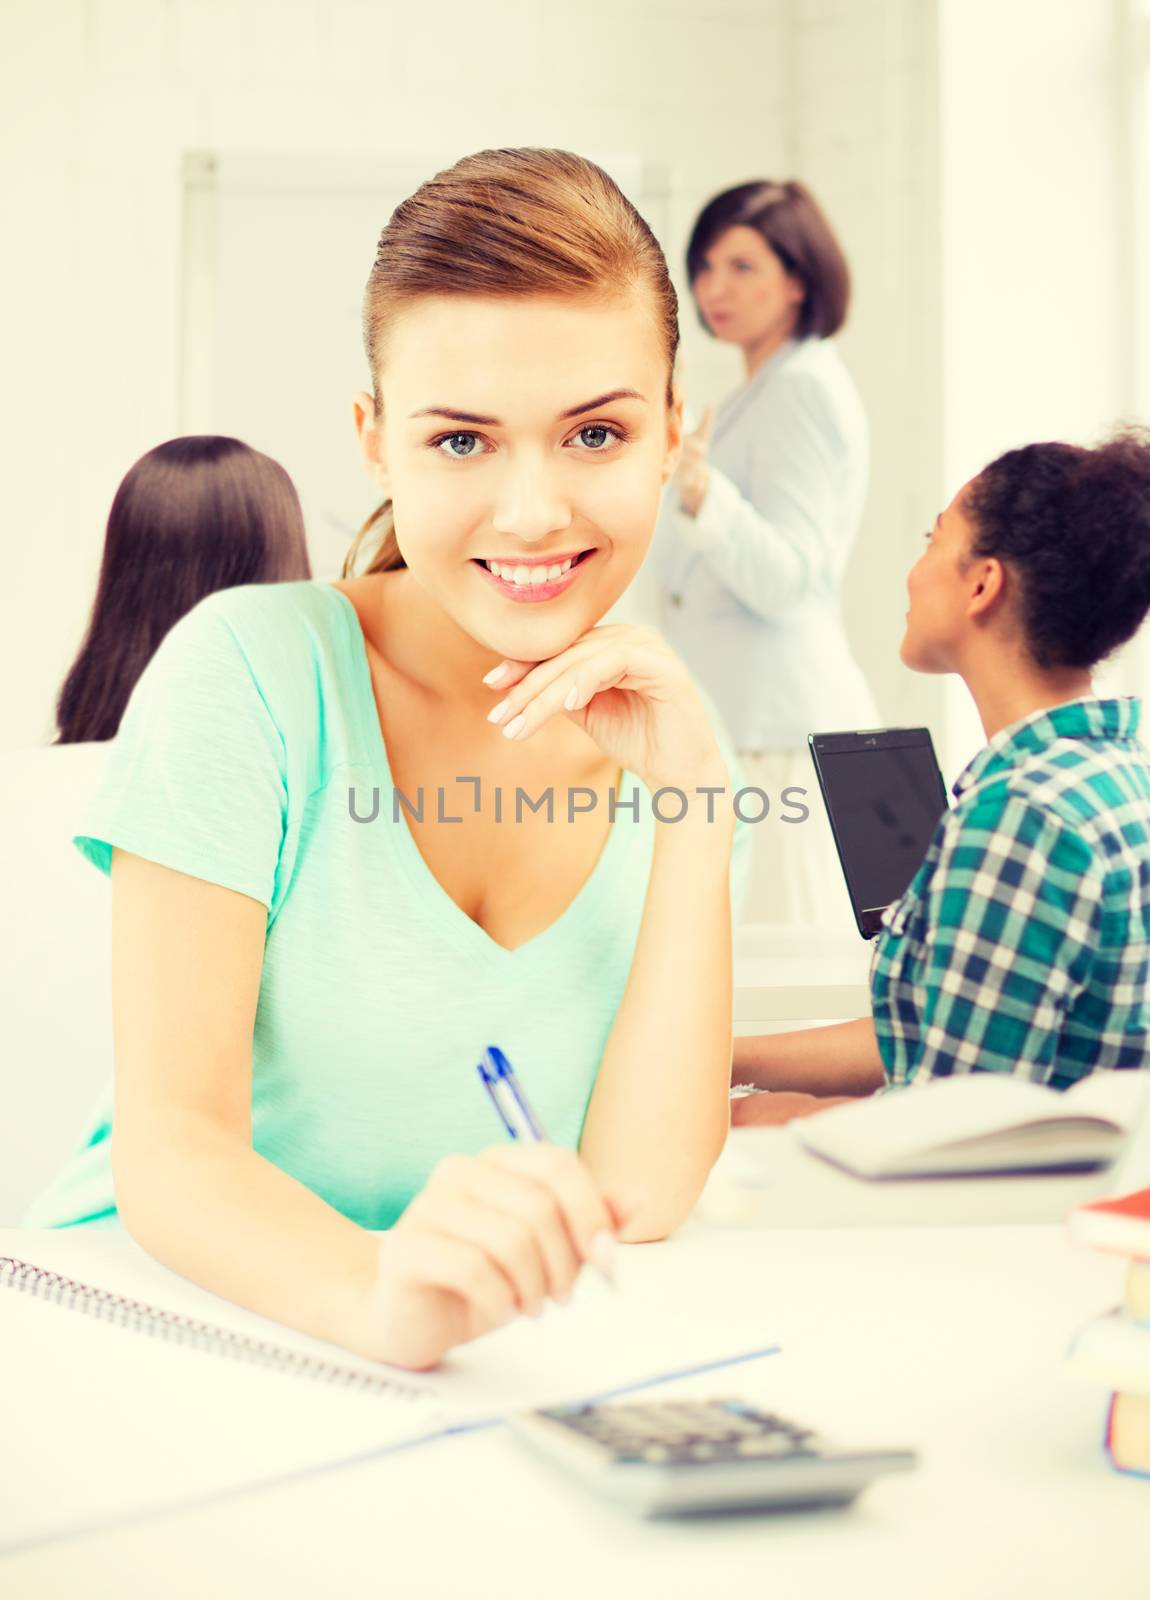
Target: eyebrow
point(494, 422)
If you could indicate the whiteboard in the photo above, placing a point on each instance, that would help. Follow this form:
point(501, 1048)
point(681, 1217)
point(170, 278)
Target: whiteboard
point(276, 252)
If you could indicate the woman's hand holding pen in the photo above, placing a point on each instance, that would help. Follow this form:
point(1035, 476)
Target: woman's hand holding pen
point(626, 688)
point(488, 1237)
point(693, 474)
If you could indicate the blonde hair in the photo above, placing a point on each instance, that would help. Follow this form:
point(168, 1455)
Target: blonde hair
point(510, 223)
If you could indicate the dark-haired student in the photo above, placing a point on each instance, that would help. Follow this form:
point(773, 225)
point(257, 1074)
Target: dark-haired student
point(757, 526)
point(1022, 945)
point(193, 516)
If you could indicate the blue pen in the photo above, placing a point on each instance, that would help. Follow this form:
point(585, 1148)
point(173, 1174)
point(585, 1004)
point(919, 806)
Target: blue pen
point(513, 1109)
point(506, 1092)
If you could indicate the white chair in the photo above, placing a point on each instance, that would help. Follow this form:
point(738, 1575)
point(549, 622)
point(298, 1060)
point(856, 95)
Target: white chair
point(55, 978)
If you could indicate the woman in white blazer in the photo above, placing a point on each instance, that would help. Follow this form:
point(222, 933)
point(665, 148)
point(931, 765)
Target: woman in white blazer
point(758, 523)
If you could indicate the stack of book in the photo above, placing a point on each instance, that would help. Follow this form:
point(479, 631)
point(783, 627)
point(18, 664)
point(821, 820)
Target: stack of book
point(1116, 1348)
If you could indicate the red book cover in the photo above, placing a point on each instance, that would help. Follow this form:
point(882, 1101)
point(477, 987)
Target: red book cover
point(1121, 1224)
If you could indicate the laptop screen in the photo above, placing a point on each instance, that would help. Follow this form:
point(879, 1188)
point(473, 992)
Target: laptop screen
point(884, 794)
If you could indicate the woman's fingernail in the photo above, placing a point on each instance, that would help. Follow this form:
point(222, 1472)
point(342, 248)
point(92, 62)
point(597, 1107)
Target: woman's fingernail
point(563, 1298)
point(572, 697)
point(498, 711)
point(496, 673)
point(514, 726)
point(601, 1253)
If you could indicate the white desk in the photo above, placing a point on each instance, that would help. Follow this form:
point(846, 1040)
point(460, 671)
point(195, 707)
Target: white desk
point(950, 1340)
point(798, 975)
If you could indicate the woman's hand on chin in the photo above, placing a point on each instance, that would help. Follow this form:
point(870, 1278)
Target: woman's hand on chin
point(626, 688)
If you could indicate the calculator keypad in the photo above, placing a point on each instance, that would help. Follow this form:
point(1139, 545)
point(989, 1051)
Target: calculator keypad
point(664, 1433)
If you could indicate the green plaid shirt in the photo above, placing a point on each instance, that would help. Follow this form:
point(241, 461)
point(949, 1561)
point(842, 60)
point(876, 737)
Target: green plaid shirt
point(1023, 942)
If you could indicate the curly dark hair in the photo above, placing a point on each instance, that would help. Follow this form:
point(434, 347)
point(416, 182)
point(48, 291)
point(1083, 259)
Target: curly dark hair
point(1073, 525)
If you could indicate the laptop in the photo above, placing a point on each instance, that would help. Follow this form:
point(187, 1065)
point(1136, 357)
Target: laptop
point(884, 795)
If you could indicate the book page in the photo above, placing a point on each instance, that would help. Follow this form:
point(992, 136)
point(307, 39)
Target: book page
point(104, 1421)
point(875, 1133)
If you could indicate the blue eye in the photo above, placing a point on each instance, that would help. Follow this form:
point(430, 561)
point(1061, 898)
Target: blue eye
point(595, 437)
point(600, 432)
point(452, 438)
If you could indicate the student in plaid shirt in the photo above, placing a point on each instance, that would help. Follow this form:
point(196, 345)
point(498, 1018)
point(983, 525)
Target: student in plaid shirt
point(1022, 944)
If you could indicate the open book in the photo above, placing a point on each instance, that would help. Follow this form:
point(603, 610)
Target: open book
point(980, 1123)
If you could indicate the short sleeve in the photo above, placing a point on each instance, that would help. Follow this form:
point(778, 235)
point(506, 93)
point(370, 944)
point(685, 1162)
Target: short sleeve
point(196, 778)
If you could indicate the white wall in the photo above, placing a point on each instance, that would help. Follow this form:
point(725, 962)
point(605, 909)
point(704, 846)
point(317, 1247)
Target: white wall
point(862, 116)
point(1032, 233)
point(946, 138)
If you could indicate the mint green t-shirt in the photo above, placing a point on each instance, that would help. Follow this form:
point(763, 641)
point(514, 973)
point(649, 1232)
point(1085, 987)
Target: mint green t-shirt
point(246, 742)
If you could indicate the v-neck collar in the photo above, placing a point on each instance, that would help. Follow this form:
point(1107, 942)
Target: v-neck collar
point(455, 922)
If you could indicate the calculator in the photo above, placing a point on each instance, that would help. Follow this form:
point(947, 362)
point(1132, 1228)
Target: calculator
point(665, 1457)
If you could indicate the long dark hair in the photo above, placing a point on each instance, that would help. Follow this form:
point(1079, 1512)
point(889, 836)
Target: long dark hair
point(192, 516)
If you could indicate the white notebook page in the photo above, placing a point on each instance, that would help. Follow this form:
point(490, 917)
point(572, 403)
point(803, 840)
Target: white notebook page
point(104, 1422)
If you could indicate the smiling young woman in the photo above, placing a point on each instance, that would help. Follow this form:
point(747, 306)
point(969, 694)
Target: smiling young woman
point(300, 1000)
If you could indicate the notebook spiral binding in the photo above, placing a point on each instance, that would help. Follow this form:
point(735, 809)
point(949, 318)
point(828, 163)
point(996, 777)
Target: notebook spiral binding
point(174, 1328)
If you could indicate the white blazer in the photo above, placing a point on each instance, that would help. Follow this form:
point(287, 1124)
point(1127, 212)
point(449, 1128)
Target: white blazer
point(751, 585)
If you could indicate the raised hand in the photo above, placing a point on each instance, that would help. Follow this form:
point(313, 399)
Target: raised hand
point(693, 474)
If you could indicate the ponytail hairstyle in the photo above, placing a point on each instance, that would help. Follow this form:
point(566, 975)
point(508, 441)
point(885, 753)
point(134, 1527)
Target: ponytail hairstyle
point(1073, 525)
point(194, 515)
point(508, 223)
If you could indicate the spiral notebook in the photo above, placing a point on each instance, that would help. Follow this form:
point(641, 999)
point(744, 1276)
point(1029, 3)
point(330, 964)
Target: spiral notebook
point(130, 1391)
